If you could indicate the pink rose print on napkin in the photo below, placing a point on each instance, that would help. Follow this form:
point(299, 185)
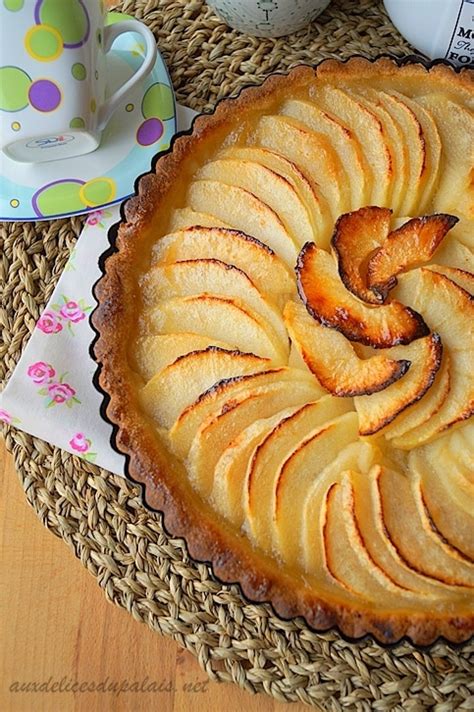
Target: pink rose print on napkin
point(8, 418)
point(41, 372)
point(82, 445)
point(55, 389)
point(67, 314)
point(49, 323)
point(95, 218)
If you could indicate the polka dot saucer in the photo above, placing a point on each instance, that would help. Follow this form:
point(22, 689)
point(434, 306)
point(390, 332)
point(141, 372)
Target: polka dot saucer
point(140, 128)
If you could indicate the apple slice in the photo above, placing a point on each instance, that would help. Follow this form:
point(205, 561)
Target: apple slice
point(306, 190)
point(189, 421)
point(447, 496)
point(153, 353)
point(221, 427)
point(210, 276)
point(245, 212)
point(222, 318)
point(164, 398)
point(346, 556)
point(322, 292)
point(269, 187)
point(379, 409)
point(432, 149)
point(412, 244)
point(184, 218)
point(231, 467)
point(272, 452)
point(455, 193)
point(462, 450)
point(348, 150)
point(464, 232)
point(333, 360)
point(424, 409)
point(449, 310)
point(368, 515)
point(247, 253)
point(356, 236)
point(418, 544)
point(454, 253)
point(369, 132)
point(463, 279)
point(296, 474)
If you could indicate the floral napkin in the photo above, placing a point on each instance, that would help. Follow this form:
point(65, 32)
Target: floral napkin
point(50, 394)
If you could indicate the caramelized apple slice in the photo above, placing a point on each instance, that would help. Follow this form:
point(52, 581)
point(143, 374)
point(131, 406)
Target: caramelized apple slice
point(268, 458)
point(247, 253)
point(191, 418)
point(369, 132)
point(286, 169)
point(341, 138)
point(153, 353)
point(231, 467)
point(413, 243)
point(416, 541)
point(210, 276)
point(296, 474)
point(164, 398)
point(269, 187)
point(323, 294)
point(223, 318)
point(221, 427)
point(449, 310)
point(355, 237)
point(379, 409)
point(184, 218)
point(333, 360)
point(244, 212)
point(424, 409)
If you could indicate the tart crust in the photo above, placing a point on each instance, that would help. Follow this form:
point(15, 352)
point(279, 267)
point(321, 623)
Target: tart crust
point(165, 486)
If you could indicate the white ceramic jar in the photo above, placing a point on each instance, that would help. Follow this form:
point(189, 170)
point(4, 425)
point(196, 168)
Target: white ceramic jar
point(438, 28)
point(268, 18)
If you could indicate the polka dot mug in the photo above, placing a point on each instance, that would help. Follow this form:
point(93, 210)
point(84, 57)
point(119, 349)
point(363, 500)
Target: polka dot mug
point(53, 76)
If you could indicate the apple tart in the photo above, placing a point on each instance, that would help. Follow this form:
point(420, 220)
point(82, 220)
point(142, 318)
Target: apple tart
point(286, 339)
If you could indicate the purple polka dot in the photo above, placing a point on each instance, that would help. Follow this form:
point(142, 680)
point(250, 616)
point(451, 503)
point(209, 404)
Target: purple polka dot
point(44, 95)
point(149, 132)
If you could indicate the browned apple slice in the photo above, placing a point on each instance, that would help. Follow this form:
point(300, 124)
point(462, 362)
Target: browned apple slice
point(355, 237)
point(416, 541)
point(379, 409)
point(449, 310)
point(333, 360)
point(164, 398)
point(328, 302)
point(192, 417)
point(412, 244)
point(232, 247)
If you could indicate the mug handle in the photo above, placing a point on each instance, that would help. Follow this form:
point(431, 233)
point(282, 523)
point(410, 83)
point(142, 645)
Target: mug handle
point(111, 32)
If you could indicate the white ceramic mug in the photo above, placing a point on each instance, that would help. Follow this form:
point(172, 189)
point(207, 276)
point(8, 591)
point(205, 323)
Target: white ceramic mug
point(438, 28)
point(53, 76)
point(268, 18)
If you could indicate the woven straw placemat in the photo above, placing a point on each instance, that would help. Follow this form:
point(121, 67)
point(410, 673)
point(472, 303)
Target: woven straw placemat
point(101, 516)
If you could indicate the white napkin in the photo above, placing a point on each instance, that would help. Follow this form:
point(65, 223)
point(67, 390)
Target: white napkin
point(50, 394)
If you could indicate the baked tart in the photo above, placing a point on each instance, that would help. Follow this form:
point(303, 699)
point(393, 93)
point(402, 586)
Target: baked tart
point(286, 339)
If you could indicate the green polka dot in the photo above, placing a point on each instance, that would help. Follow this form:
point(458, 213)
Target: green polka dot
point(79, 72)
point(93, 106)
point(71, 25)
point(61, 198)
point(13, 5)
point(98, 191)
point(14, 86)
point(158, 102)
point(77, 123)
point(114, 17)
point(43, 43)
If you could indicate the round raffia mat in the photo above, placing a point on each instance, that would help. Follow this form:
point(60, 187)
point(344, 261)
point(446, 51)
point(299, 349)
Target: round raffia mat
point(101, 516)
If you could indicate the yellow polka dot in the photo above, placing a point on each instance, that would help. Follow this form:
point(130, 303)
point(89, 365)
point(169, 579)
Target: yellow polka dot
point(93, 106)
point(16, 126)
point(43, 43)
point(98, 191)
point(14, 203)
point(129, 107)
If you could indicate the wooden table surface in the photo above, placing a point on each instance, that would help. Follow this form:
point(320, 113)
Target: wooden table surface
point(57, 627)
